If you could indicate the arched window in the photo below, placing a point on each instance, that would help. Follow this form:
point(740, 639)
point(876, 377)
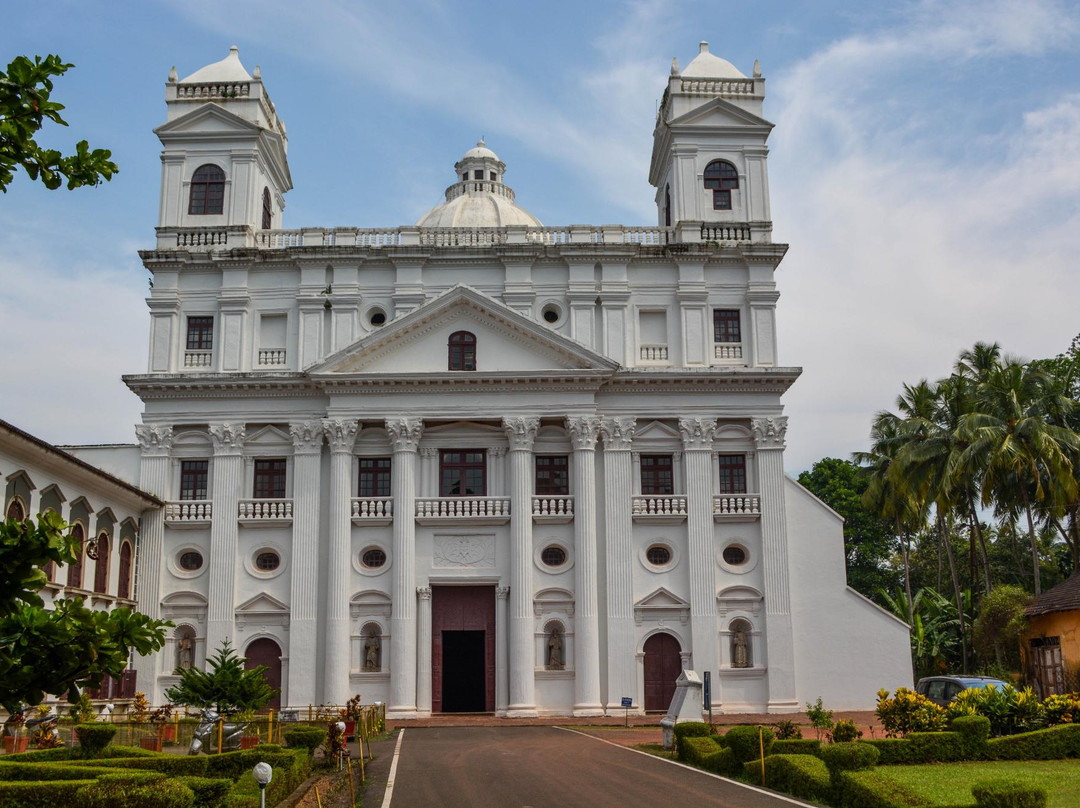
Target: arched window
point(721, 178)
point(462, 348)
point(207, 191)
point(123, 587)
point(101, 567)
point(15, 510)
point(742, 651)
point(667, 206)
point(74, 576)
point(268, 210)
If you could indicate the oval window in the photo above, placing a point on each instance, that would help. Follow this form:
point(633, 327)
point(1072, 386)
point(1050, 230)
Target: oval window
point(658, 555)
point(267, 561)
point(734, 555)
point(553, 556)
point(373, 557)
point(191, 560)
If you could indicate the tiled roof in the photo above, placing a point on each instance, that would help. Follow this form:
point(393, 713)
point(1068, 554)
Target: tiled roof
point(1062, 598)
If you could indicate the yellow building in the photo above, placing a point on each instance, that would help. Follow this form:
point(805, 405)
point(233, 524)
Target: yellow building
point(1052, 644)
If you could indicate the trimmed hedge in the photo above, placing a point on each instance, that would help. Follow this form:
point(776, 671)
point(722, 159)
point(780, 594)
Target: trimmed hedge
point(135, 790)
point(695, 748)
point(892, 751)
point(974, 731)
point(744, 741)
point(25, 772)
point(936, 747)
point(309, 738)
point(245, 793)
point(235, 764)
point(54, 792)
point(849, 756)
point(93, 738)
point(172, 765)
point(1006, 793)
point(209, 793)
point(872, 789)
point(796, 746)
point(689, 729)
point(721, 761)
point(75, 753)
point(800, 775)
point(1054, 743)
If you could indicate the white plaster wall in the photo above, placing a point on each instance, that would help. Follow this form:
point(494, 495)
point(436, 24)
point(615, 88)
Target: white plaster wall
point(119, 460)
point(846, 648)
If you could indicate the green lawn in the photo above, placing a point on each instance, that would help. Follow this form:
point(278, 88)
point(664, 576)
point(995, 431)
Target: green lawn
point(950, 783)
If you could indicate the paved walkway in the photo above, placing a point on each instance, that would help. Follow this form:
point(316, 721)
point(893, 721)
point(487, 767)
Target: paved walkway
point(537, 767)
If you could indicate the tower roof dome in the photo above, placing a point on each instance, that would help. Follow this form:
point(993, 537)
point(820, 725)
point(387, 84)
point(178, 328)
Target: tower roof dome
point(228, 69)
point(709, 66)
point(479, 198)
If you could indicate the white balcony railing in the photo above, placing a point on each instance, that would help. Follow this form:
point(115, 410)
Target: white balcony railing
point(654, 353)
point(266, 511)
point(472, 510)
point(198, 359)
point(271, 357)
point(667, 508)
point(737, 507)
point(552, 509)
point(724, 350)
point(189, 512)
point(372, 510)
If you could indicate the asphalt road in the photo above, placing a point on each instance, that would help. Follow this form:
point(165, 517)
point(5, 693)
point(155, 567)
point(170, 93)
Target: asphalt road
point(538, 767)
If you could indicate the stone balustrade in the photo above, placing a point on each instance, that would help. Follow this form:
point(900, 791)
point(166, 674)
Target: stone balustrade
point(271, 511)
point(188, 512)
point(550, 509)
point(198, 359)
point(214, 90)
point(722, 350)
point(725, 232)
point(469, 510)
point(656, 508)
point(654, 353)
point(372, 510)
point(271, 357)
point(717, 86)
point(737, 507)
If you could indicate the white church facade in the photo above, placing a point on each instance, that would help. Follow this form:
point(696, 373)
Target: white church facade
point(482, 464)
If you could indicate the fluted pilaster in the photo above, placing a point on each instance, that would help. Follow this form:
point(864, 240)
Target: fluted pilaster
point(405, 436)
point(307, 439)
point(341, 435)
point(521, 432)
point(224, 532)
point(502, 683)
point(618, 435)
point(423, 651)
point(697, 435)
point(156, 443)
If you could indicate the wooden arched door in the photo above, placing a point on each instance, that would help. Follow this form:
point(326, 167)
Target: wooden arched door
point(265, 651)
point(663, 664)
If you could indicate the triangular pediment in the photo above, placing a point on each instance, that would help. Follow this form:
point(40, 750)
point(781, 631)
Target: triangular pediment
point(719, 113)
point(657, 435)
point(261, 604)
point(208, 119)
point(662, 598)
point(506, 342)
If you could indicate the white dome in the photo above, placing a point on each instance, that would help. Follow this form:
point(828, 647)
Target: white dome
point(708, 66)
point(479, 152)
point(227, 70)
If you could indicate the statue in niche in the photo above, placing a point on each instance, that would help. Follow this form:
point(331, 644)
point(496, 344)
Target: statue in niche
point(740, 654)
point(555, 650)
point(185, 652)
point(372, 646)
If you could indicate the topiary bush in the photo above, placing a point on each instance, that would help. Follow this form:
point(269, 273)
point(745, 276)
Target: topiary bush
point(801, 746)
point(209, 792)
point(93, 738)
point(53, 792)
point(696, 748)
point(746, 743)
point(689, 729)
point(309, 738)
point(23, 772)
point(870, 788)
point(135, 790)
point(1006, 793)
point(936, 747)
point(974, 732)
point(172, 765)
point(846, 757)
point(892, 751)
point(720, 761)
point(803, 776)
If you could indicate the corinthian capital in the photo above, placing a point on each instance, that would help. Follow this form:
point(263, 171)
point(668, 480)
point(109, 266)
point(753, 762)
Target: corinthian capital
point(618, 433)
point(521, 432)
point(697, 433)
point(228, 438)
point(154, 440)
point(341, 435)
point(583, 431)
point(307, 437)
point(769, 432)
point(404, 433)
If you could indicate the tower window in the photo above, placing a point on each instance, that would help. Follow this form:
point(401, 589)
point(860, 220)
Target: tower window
point(657, 475)
point(193, 479)
point(462, 473)
point(721, 178)
point(269, 479)
point(207, 191)
point(374, 479)
point(268, 210)
point(478, 175)
point(726, 325)
point(200, 333)
point(733, 474)
point(462, 350)
point(551, 475)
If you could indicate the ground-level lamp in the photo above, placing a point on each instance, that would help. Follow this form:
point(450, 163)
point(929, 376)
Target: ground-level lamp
point(263, 773)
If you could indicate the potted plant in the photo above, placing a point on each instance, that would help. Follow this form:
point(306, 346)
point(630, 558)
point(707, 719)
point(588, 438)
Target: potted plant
point(15, 739)
point(247, 717)
point(160, 719)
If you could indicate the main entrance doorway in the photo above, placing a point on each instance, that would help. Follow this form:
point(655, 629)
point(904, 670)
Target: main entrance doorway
point(663, 664)
point(463, 649)
point(265, 651)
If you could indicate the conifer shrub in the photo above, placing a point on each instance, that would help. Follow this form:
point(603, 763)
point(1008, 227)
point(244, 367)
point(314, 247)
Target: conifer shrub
point(93, 738)
point(1007, 793)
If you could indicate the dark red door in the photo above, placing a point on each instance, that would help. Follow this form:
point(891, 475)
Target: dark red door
point(463, 649)
point(662, 667)
point(266, 652)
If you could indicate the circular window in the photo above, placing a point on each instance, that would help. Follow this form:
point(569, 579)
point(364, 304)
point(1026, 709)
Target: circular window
point(658, 555)
point(552, 314)
point(267, 561)
point(734, 555)
point(377, 317)
point(191, 561)
point(373, 557)
point(553, 556)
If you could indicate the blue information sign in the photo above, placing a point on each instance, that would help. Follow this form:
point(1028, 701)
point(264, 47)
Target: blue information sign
point(707, 689)
point(627, 701)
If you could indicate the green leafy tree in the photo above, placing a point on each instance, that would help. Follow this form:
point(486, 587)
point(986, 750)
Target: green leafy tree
point(67, 647)
point(1000, 626)
point(25, 106)
point(225, 687)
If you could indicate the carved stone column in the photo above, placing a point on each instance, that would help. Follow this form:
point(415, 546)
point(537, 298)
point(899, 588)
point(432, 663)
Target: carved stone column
point(404, 437)
point(697, 436)
point(502, 684)
point(521, 432)
point(423, 651)
point(341, 435)
point(583, 434)
point(304, 565)
point(618, 435)
point(156, 443)
point(224, 532)
point(779, 640)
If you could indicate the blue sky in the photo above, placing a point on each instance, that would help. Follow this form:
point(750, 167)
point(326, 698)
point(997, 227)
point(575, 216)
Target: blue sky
point(925, 167)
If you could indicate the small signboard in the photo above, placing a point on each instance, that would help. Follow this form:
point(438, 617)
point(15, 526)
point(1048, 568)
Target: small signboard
point(627, 701)
point(706, 693)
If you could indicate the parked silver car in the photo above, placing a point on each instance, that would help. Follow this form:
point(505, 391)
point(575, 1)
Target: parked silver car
point(943, 689)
